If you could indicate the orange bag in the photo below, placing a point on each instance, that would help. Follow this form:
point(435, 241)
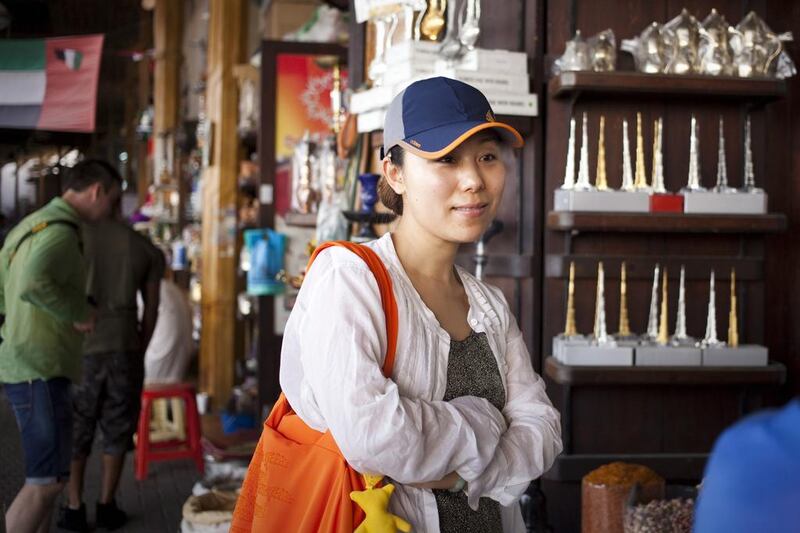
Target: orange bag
point(298, 481)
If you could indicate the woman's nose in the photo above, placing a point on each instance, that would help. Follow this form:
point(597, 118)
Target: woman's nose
point(471, 178)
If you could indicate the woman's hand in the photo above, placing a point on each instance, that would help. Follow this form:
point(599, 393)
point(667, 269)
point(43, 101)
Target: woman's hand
point(446, 483)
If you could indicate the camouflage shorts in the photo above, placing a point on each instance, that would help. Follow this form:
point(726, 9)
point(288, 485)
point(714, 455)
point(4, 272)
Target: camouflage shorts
point(109, 396)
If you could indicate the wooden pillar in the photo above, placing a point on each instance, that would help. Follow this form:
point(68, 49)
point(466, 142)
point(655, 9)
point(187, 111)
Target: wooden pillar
point(168, 24)
point(226, 48)
point(167, 37)
point(143, 91)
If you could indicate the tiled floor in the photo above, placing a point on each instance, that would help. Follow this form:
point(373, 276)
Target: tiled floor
point(154, 505)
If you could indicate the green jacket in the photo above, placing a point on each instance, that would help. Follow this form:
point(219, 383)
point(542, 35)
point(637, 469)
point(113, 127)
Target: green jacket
point(42, 293)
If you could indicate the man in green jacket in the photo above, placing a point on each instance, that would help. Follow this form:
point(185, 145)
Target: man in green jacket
point(43, 296)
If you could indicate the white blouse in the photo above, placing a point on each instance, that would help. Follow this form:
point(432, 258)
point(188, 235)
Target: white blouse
point(333, 351)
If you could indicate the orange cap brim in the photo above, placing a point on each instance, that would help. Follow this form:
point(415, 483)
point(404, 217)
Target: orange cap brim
point(517, 141)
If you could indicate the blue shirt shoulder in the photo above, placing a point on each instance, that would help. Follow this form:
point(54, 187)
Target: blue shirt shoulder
point(752, 480)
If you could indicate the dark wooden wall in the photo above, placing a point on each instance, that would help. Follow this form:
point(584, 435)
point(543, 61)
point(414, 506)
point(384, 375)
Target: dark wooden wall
point(630, 420)
point(782, 179)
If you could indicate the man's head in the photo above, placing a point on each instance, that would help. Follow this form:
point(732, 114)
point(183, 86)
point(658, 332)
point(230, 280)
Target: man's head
point(92, 188)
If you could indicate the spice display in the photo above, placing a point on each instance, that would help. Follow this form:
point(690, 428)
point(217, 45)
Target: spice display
point(661, 516)
point(605, 492)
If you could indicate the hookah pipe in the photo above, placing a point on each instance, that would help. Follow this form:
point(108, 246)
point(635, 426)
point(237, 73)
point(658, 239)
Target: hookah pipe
point(481, 258)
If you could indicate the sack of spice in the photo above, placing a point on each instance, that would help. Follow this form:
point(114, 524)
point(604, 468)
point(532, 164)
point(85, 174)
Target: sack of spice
point(675, 514)
point(661, 516)
point(605, 492)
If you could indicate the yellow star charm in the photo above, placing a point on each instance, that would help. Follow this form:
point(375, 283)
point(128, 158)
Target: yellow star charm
point(375, 503)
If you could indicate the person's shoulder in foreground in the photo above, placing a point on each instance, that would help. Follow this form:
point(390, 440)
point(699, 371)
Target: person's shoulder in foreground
point(752, 478)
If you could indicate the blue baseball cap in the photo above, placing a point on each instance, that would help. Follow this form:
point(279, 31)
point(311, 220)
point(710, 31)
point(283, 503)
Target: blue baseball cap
point(432, 117)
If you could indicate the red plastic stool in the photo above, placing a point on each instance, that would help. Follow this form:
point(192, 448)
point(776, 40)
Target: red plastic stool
point(147, 451)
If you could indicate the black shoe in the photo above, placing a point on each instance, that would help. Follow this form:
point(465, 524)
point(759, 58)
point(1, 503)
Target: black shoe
point(109, 516)
point(73, 519)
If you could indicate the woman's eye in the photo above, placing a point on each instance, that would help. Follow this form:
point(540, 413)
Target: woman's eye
point(488, 157)
point(446, 159)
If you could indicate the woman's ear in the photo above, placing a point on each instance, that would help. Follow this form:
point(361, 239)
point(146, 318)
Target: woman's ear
point(393, 175)
point(94, 191)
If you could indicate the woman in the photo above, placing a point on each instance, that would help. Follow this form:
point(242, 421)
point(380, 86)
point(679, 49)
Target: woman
point(464, 424)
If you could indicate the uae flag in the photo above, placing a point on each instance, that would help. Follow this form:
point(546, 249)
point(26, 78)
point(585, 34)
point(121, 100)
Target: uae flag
point(49, 84)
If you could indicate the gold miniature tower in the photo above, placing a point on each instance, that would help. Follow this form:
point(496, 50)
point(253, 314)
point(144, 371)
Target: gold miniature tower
point(733, 323)
point(569, 329)
point(601, 181)
point(640, 180)
point(655, 151)
point(624, 326)
point(663, 335)
point(600, 332)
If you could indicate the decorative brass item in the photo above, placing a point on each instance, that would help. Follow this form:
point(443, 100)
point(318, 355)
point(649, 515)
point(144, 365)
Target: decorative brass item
point(570, 330)
point(640, 182)
point(694, 159)
point(684, 29)
point(601, 180)
point(658, 157)
point(600, 331)
point(305, 191)
point(627, 169)
point(722, 167)
point(680, 338)
point(663, 326)
point(652, 321)
point(433, 20)
point(653, 50)
point(385, 27)
point(603, 51)
point(336, 99)
point(584, 183)
point(749, 173)
point(711, 321)
point(715, 55)
point(569, 171)
point(451, 47)
point(624, 326)
point(733, 321)
point(470, 29)
point(575, 56)
point(756, 48)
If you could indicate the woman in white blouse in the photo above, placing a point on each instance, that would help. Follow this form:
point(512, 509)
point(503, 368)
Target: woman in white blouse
point(464, 424)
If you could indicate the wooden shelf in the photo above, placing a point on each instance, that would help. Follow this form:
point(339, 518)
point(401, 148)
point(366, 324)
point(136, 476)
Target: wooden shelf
point(665, 222)
point(658, 85)
point(302, 220)
point(772, 374)
point(685, 466)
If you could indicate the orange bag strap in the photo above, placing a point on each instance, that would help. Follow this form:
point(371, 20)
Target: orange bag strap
point(384, 285)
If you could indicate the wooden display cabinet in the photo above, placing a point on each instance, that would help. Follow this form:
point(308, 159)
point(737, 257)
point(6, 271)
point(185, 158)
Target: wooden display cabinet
point(664, 418)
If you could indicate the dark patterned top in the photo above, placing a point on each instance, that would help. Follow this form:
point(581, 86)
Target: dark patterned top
point(471, 371)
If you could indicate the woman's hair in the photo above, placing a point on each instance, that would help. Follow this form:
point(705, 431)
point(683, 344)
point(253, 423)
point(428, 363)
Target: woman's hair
point(394, 201)
point(388, 197)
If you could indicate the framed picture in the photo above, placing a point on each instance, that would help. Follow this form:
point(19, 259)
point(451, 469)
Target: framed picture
point(296, 84)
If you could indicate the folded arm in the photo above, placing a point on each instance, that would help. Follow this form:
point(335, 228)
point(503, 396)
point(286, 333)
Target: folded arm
point(342, 344)
point(533, 439)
